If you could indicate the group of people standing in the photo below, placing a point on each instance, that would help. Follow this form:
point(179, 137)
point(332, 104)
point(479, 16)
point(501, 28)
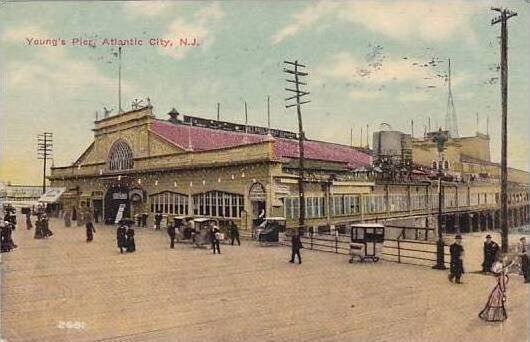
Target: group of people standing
point(7, 225)
point(6, 237)
point(125, 237)
point(42, 225)
point(177, 227)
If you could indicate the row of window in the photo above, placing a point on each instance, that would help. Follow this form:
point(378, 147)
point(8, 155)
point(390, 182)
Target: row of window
point(228, 205)
point(213, 203)
point(345, 205)
point(169, 203)
point(314, 207)
point(218, 204)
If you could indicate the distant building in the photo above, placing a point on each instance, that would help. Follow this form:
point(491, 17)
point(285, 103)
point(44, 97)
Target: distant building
point(466, 157)
point(20, 195)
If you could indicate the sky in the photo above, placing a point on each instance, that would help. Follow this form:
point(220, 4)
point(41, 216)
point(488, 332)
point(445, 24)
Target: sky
point(369, 62)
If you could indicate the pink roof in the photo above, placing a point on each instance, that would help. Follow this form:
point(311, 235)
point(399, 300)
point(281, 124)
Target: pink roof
point(206, 139)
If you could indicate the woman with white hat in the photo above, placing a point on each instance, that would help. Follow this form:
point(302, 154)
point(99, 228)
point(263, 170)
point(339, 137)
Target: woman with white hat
point(494, 311)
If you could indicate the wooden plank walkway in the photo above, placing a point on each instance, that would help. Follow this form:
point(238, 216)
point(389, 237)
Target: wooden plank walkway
point(246, 294)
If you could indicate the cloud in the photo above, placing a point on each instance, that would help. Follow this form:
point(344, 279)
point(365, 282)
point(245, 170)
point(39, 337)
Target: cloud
point(19, 34)
point(303, 20)
point(344, 66)
point(201, 29)
point(53, 66)
point(364, 94)
point(414, 97)
point(147, 8)
point(401, 20)
point(211, 13)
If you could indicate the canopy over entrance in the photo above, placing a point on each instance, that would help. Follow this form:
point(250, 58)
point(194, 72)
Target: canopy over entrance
point(52, 195)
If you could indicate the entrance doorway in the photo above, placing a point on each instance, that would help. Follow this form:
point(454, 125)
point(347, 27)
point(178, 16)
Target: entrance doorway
point(115, 197)
point(97, 209)
point(257, 196)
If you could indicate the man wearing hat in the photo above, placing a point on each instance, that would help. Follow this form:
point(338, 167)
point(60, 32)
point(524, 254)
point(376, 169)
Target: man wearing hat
point(457, 260)
point(490, 251)
point(171, 231)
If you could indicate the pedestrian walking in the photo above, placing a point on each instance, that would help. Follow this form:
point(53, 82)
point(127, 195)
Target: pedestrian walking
point(6, 238)
point(233, 231)
point(490, 252)
point(457, 260)
point(172, 233)
point(46, 231)
point(144, 219)
point(96, 215)
point(158, 220)
point(29, 225)
point(10, 216)
point(494, 310)
point(215, 236)
point(67, 218)
point(121, 238)
point(89, 226)
point(131, 244)
point(296, 245)
point(39, 224)
point(522, 250)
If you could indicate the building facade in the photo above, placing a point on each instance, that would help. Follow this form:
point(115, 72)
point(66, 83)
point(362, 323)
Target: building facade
point(198, 167)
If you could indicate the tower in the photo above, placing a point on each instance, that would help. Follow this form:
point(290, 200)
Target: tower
point(451, 123)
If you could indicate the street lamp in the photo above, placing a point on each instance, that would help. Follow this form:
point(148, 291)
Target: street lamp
point(440, 138)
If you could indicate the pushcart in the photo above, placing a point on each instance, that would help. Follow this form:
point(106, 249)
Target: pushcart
point(269, 230)
point(366, 241)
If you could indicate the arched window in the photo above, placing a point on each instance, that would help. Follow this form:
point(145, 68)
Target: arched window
point(434, 165)
point(120, 156)
point(446, 165)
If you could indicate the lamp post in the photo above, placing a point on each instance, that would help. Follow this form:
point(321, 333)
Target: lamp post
point(440, 138)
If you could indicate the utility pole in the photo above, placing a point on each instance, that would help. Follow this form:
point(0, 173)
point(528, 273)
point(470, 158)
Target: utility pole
point(246, 114)
point(218, 111)
point(505, 14)
point(361, 140)
point(44, 151)
point(269, 113)
point(293, 68)
point(440, 138)
point(367, 143)
point(351, 137)
point(119, 81)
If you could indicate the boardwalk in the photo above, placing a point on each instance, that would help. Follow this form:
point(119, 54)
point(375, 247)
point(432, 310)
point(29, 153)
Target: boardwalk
point(245, 294)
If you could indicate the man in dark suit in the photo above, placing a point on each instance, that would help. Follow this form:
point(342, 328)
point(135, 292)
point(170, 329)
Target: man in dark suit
point(457, 260)
point(296, 245)
point(121, 237)
point(158, 220)
point(490, 251)
point(172, 233)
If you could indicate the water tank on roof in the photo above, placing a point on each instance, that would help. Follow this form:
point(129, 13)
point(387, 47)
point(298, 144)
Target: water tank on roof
point(387, 143)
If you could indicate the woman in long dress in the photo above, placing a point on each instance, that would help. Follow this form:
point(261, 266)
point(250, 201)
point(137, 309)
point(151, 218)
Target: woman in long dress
point(131, 245)
point(495, 311)
point(29, 225)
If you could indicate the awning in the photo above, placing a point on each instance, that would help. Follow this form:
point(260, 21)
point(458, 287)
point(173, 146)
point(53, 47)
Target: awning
point(52, 195)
